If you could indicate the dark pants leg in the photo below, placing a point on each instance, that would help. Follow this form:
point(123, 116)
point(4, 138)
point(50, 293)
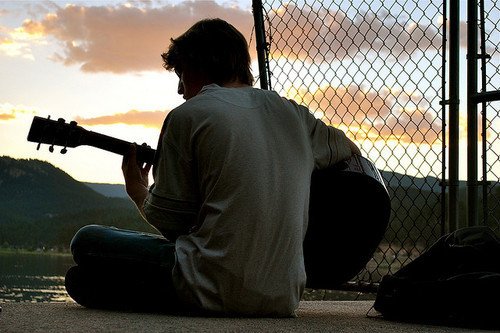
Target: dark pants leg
point(122, 270)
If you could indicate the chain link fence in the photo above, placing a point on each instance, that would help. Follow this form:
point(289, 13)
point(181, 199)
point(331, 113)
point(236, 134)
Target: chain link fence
point(373, 69)
point(490, 115)
point(377, 70)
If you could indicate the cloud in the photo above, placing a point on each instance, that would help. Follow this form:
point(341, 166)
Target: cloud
point(320, 34)
point(374, 115)
point(152, 119)
point(130, 37)
point(126, 38)
point(11, 112)
point(18, 42)
point(6, 116)
point(383, 115)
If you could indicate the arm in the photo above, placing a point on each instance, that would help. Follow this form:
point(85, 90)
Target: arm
point(136, 179)
point(170, 221)
point(136, 185)
point(330, 144)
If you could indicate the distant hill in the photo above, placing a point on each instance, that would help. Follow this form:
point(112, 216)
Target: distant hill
point(429, 183)
point(32, 188)
point(109, 190)
point(391, 179)
point(42, 206)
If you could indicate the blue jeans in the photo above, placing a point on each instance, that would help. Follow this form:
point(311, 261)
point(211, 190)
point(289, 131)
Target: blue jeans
point(122, 270)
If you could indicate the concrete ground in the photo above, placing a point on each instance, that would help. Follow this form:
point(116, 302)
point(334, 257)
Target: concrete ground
point(313, 316)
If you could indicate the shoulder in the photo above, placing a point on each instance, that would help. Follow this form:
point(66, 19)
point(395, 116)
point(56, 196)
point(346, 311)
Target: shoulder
point(198, 105)
point(189, 112)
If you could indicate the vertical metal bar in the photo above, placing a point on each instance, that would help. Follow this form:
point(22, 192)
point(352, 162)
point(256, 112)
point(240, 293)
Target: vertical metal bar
point(472, 129)
point(443, 118)
point(454, 116)
point(260, 41)
point(483, 113)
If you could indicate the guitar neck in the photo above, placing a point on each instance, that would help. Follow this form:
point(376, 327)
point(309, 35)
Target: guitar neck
point(144, 153)
point(59, 133)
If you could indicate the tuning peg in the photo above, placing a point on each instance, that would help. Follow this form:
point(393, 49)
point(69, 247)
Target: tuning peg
point(51, 148)
point(73, 123)
point(38, 146)
point(61, 120)
point(64, 150)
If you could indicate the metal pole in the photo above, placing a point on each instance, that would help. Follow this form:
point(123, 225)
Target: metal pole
point(483, 115)
point(454, 116)
point(260, 41)
point(443, 183)
point(487, 96)
point(472, 128)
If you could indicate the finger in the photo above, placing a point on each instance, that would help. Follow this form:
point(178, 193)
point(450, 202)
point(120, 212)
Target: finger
point(147, 167)
point(133, 151)
point(130, 155)
point(145, 174)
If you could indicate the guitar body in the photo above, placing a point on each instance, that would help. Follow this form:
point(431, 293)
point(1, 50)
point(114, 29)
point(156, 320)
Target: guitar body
point(348, 214)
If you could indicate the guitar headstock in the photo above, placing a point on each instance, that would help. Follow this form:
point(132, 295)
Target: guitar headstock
point(55, 133)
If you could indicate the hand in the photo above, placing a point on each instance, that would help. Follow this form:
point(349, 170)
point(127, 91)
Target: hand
point(136, 177)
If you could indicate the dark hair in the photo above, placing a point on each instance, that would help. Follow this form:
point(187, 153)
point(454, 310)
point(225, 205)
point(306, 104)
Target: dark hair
point(213, 48)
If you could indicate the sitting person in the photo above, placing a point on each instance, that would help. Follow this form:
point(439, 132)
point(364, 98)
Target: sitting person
point(230, 196)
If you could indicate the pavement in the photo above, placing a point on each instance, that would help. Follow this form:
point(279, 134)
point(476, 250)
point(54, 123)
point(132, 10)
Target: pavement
point(313, 316)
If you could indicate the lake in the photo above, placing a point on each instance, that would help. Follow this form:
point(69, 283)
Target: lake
point(39, 277)
point(33, 277)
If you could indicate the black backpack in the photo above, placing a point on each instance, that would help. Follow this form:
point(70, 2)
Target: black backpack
point(456, 282)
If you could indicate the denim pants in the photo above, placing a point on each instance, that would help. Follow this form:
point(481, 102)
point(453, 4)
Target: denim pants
point(122, 270)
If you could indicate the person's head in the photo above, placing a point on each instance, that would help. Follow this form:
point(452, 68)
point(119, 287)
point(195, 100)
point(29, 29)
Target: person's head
point(211, 51)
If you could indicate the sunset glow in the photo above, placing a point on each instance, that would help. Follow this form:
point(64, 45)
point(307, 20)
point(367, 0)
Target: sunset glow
point(98, 63)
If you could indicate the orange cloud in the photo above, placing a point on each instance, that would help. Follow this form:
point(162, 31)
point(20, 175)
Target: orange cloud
point(11, 112)
point(152, 119)
point(490, 126)
point(17, 42)
point(321, 34)
point(131, 37)
point(125, 38)
point(374, 115)
point(7, 116)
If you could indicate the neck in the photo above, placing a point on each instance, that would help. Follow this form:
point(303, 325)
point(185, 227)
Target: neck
point(234, 84)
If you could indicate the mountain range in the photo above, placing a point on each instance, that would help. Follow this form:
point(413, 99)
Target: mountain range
point(42, 206)
point(391, 179)
point(109, 190)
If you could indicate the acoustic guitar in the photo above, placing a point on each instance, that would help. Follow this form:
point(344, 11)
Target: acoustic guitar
point(348, 212)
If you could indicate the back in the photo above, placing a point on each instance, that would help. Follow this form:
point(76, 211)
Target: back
point(249, 155)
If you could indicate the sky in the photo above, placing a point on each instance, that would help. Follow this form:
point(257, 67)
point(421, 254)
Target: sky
point(98, 63)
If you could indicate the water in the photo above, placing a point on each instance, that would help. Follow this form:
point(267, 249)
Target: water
point(39, 277)
point(33, 277)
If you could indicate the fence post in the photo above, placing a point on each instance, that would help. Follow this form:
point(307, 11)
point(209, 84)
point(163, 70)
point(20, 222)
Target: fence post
point(260, 41)
point(472, 128)
point(454, 116)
